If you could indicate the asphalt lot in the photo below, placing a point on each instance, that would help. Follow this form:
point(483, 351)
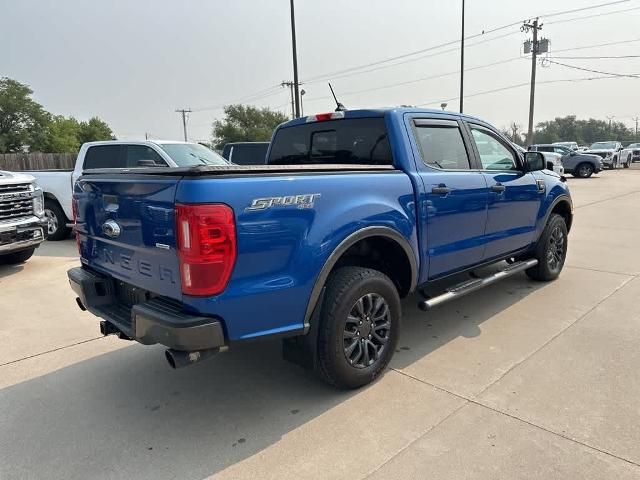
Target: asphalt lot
point(521, 380)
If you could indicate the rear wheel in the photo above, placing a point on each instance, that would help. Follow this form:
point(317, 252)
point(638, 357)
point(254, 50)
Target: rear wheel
point(17, 257)
point(359, 326)
point(551, 250)
point(584, 170)
point(56, 221)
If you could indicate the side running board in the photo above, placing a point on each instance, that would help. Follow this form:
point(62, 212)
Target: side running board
point(469, 286)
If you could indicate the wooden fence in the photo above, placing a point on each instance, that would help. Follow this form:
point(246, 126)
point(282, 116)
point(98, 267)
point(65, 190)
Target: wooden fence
point(36, 161)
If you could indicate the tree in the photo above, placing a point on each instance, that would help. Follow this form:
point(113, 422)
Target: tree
point(22, 120)
point(94, 130)
point(581, 131)
point(244, 123)
point(62, 136)
point(514, 133)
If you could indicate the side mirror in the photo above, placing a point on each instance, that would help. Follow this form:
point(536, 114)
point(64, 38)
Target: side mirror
point(533, 161)
point(620, 148)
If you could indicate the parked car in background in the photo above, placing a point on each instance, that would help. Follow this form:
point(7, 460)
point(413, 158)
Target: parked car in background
point(553, 160)
point(22, 221)
point(354, 210)
point(571, 145)
point(635, 152)
point(57, 185)
point(612, 153)
point(246, 153)
point(578, 164)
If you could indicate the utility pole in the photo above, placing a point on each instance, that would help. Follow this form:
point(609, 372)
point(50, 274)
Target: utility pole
point(462, 62)
point(184, 112)
point(534, 58)
point(295, 62)
point(291, 87)
point(635, 119)
point(611, 117)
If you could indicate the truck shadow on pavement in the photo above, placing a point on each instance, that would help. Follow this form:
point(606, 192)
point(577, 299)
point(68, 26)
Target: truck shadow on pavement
point(7, 270)
point(126, 414)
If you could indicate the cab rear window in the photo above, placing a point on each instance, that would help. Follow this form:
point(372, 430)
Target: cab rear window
point(344, 141)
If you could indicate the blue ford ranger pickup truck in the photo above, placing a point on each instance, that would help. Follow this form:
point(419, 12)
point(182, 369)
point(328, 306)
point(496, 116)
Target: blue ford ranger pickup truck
point(353, 211)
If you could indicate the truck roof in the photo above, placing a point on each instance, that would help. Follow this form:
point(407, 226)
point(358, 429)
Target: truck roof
point(382, 111)
point(138, 142)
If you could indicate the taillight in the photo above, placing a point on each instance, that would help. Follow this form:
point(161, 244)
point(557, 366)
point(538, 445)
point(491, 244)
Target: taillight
point(206, 240)
point(74, 209)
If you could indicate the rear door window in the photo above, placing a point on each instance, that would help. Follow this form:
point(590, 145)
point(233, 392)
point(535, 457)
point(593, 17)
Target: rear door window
point(104, 156)
point(442, 146)
point(344, 141)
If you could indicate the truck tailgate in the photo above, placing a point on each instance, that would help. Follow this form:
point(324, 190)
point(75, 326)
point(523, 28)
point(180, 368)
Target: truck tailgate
point(126, 228)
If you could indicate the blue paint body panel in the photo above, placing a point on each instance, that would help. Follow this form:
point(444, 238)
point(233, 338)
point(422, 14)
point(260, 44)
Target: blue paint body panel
point(282, 250)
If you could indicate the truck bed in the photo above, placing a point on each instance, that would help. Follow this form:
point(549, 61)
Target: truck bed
point(243, 169)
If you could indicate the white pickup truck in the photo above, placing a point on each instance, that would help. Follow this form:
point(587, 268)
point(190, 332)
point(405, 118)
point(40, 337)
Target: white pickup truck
point(22, 219)
point(57, 185)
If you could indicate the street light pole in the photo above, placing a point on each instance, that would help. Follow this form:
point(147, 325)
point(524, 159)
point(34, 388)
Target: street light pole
point(462, 62)
point(296, 87)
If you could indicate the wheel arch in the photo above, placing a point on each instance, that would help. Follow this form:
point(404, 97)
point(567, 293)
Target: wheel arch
point(563, 206)
point(375, 236)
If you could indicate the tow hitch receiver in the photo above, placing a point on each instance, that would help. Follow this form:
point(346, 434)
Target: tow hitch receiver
point(469, 286)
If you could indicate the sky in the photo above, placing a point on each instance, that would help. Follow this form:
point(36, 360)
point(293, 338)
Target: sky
point(134, 62)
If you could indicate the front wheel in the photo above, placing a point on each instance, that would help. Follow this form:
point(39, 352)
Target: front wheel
point(584, 170)
point(359, 327)
point(17, 257)
point(551, 250)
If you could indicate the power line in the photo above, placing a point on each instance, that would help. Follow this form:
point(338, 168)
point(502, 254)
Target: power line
point(264, 93)
point(584, 47)
point(421, 57)
point(592, 16)
point(421, 79)
point(518, 85)
point(582, 9)
point(452, 42)
point(274, 89)
point(589, 57)
point(591, 70)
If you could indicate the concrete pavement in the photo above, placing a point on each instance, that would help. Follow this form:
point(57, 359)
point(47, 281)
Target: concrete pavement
point(521, 380)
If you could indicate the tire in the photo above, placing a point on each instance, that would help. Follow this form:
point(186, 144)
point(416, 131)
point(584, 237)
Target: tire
point(551, 250)
point(353, 296)
point(583, 170)
point(56, 228)
point(17, 257)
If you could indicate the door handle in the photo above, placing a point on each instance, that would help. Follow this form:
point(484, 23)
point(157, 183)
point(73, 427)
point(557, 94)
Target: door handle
point(498, 188)
point(441, 189)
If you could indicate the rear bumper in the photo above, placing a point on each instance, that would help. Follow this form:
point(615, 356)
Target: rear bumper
point(148, 321)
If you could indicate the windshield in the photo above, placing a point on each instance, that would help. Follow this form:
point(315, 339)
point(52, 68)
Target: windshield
point(190, 154)
point(634, 145)
point(604, 146)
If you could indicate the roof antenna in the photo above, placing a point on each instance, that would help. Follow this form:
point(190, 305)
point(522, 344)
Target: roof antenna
point(339, 107)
